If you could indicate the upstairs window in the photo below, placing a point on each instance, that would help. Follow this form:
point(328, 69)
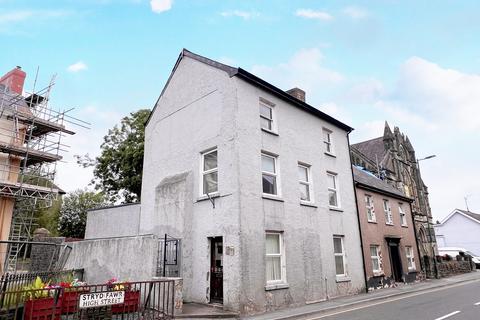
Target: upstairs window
point(403, 216)
point(305, 183)
point(388, 212)
point(269, 174)
point(267, 117)
point(370, 209)
point(209, 172)
point(333, 199)
point(339, 254)
point(327, 141)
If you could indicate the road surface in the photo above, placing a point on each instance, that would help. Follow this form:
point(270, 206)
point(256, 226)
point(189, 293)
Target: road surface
point(456, 302)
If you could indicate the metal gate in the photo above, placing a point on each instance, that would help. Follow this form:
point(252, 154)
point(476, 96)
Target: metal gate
point(169, 257)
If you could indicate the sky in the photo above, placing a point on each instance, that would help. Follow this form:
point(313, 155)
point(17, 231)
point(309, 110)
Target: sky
point(415, 64)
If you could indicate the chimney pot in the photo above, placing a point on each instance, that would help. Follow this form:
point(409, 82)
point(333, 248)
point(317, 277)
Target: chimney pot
point(297, 93)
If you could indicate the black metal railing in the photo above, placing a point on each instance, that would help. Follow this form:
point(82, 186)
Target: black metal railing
point(146, 300)
point(15, 282)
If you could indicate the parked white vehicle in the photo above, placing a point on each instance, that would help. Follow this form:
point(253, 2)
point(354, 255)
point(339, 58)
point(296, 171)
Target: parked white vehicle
point(455, 251)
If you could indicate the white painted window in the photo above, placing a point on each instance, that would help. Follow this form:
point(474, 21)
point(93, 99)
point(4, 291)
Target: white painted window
point(370, 208)
point(269, 174)
point(275, 258)
point(339, 253)
point(410, 258)
point(327, 141)
point(375, 256)
point(388, 212)
point(403, 216)
point(267, 120)
point(333, 198)
point(305, 181)
point(209, 169)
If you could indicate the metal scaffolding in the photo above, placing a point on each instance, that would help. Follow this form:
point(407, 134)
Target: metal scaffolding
point(30, 147)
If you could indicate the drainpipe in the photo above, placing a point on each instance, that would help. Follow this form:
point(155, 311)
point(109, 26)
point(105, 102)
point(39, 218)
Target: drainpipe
point(358, 215)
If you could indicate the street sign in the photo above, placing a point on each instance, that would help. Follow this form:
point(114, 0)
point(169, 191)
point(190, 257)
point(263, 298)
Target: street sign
point(100, 299)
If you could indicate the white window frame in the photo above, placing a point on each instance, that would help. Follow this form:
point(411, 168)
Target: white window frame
point(328, 141)
point(336, 190)
point(387, 209)
point(376, 257)
point(275, 174)
point(203, 173)
point(410, 258)
point(342, 254)
point(273, 120)
point(403, 215)
point(283, 273)
point(370, 207)
point(307, 183)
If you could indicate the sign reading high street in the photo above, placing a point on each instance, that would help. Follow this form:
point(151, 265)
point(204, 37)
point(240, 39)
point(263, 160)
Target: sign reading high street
point(100, 299)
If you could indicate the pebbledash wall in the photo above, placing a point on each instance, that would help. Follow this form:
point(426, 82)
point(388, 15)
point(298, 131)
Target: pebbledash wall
point(204, 107)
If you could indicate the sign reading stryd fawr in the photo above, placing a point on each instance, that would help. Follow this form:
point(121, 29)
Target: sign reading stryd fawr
point(100, 299)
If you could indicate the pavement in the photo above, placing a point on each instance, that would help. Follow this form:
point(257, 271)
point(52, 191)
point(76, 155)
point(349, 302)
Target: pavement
point(343, 305)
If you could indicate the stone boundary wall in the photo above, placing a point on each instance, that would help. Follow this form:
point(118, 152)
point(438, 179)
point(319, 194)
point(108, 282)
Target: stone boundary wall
point(124, 258)
point(450, 268)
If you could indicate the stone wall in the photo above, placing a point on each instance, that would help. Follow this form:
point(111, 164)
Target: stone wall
point(450, 268)
point(125, 258)
point(44, 257)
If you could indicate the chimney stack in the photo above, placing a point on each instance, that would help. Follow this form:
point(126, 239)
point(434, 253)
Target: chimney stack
point(297, 93)
point(14, 80)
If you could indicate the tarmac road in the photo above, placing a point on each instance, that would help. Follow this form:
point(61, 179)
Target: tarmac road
point(457, 302)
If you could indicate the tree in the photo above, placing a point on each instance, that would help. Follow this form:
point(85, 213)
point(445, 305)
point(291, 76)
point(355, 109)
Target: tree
point(73, 213)
point(118, 169)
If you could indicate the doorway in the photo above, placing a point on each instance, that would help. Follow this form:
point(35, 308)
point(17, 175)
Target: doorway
point(216, 270)
point(395, 260)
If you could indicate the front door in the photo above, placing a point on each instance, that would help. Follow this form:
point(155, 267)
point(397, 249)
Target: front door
point(395, 260)
point(216, 270)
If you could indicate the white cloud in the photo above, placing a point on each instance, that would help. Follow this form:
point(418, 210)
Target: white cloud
point(445, 96)
point(303, 70)
point(246, 15)
point(356, 12)
point(159, 6)
point(23, 15)
point(77, 66)
point(312, 14)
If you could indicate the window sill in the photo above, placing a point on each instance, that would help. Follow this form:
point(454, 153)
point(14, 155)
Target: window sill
point(378, 273)
point(404, 225)
point(330, 154)
point(308, 204)
point(343, 279)
point(389, 224)
point(272, 197)
point(270, 131)
point(372, 221)
point(335, 209)
point(278, 286)
point(412, 270)
point(212, 195)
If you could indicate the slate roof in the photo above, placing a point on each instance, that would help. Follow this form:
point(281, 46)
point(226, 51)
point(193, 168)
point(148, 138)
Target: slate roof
point(475, 216)
point(367, 180)
point(258, 82)
point(370, 148)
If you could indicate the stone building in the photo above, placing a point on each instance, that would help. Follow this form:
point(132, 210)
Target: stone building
point(388, 234)
point(256, 183)
point(392, 158)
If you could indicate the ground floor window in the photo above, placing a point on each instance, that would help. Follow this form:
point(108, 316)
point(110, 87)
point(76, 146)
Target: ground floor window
point(410, 259)
point(375, 256)
point(339, 253)
point(275, 258)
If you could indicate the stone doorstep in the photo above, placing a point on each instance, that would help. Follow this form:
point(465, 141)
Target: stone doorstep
point(320, 311)
point(205, 311)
